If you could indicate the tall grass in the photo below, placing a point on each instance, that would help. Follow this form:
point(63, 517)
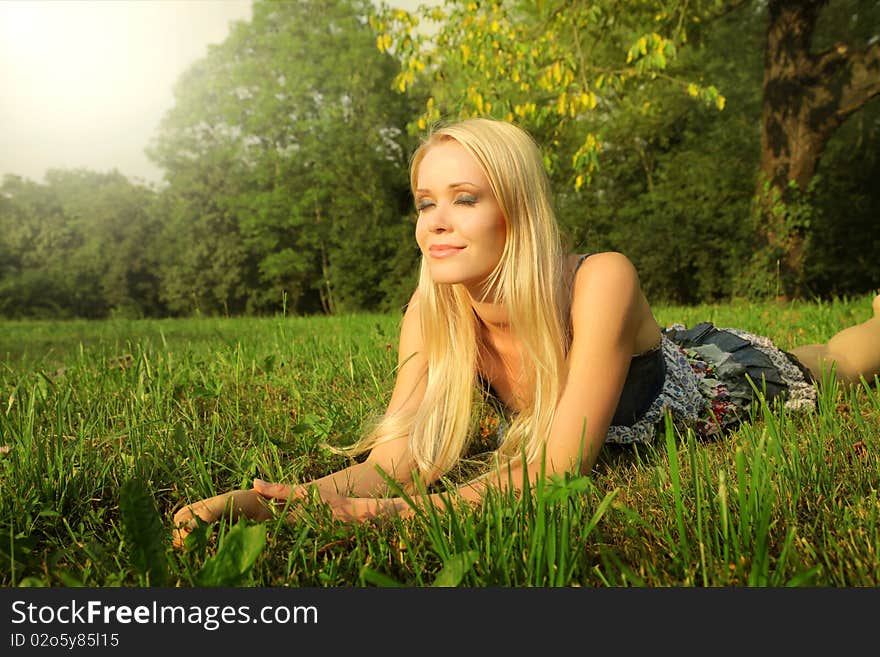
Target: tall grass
point(106, 427)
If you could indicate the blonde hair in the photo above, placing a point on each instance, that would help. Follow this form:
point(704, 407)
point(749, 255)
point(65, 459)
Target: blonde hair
point(530, 280)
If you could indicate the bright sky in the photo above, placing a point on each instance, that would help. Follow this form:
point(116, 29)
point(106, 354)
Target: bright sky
point(84, 83)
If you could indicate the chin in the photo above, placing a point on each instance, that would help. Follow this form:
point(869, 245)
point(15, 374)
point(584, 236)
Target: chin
point(451, 278)
point(445, 272)
point(445, 278)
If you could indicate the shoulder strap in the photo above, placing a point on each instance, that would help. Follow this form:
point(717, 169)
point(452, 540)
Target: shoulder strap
point(580, 262)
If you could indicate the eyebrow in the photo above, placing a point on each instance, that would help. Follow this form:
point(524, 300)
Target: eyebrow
point(450, 186)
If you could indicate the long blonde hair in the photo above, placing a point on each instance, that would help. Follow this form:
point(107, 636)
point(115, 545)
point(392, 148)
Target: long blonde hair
point(530, 280)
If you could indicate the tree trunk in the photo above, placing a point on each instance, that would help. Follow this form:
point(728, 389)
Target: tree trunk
point(806, 97)
point(325, 291)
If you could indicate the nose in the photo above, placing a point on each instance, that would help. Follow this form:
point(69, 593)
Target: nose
point(438, 220)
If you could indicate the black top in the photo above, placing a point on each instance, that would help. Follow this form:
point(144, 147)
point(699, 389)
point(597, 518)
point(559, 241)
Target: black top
point(643, 384)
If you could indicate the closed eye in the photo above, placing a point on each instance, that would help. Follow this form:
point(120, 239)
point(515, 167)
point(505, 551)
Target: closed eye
point(466, 200)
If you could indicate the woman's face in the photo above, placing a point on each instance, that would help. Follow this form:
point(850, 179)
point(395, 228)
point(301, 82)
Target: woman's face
point(460, 230)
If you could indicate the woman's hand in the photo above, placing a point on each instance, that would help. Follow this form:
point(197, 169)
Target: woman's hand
point(236, 503)
point(280, 492)
point(346, 509)
point(361, 509)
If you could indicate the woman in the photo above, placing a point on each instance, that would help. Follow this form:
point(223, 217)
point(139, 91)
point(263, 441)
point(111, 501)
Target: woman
point(567, 343)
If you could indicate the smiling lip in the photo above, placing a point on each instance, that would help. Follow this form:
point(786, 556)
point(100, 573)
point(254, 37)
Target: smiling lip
point(444, 250)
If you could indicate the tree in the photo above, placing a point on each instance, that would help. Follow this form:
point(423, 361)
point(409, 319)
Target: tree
point(677, 177)
point(558, 68)
point(285, 158)
point(844, 243)
point(112, 261)
point(807, 96)
point(78, 245)
point(35, 239)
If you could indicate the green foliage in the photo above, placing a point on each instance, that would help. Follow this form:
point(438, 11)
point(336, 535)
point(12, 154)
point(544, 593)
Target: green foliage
point(82, 244)
point(455, 568)
point(286, 167)
point(598, 86)
point(844, 243)
point(676, 184)
point(235, 558)
point(144, 532)
point(611, 86)
point(789, 215)
point(558, 69)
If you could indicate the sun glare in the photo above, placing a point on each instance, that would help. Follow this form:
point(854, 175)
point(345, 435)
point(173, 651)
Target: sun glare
point(71, 56)
point(85, 82)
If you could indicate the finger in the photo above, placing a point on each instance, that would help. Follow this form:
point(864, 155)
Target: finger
point(343, 508)
point(183, 524)
point(186, 519)
point(281, 492)
point(329, 497)
point(272, 491)
point(342, 514)
point(178, 536)
point(208, 510)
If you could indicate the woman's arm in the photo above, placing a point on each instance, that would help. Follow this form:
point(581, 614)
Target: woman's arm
point(392, 457)
point(362, 480)
point(609, 317)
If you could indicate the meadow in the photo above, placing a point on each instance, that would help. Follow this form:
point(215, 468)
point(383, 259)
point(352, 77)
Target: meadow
point(108, 427)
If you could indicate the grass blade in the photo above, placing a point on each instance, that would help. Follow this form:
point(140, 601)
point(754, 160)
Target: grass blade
point(144, 532)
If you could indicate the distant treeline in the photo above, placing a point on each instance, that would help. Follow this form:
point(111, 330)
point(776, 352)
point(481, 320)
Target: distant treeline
point(286, 188)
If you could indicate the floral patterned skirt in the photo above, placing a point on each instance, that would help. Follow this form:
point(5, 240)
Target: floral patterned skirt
point(713, 376)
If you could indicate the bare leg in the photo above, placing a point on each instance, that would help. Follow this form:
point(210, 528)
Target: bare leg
point(238, 503)
point(855, 352)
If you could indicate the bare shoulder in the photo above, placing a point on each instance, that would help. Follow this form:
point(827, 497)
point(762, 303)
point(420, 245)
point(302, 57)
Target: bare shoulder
point(607, 296)
point(604, 273)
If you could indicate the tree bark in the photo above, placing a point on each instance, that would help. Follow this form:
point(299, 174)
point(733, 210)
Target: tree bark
point(806, 97)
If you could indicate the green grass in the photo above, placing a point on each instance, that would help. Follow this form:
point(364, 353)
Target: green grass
point(107, 426)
